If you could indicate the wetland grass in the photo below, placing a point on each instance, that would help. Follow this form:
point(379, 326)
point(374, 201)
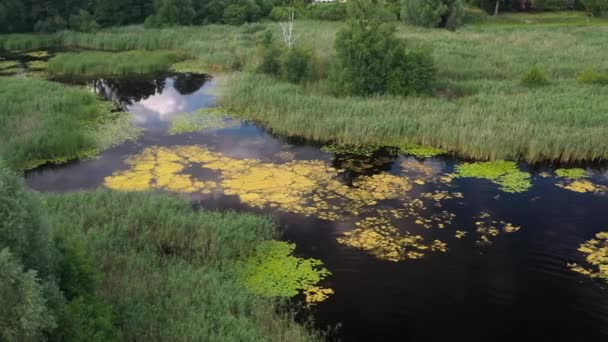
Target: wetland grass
point(185, 262)
point(97, 63)
point(42, 121)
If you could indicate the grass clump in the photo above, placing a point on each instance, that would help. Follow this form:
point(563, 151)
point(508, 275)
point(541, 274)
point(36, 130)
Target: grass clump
point(42, 121)
point(93, 64)
point(274, 272)
point(186, 265)
point(574, 173)
point(504, 173)
point(592, 76)
point(535, 77)
point(360, 150)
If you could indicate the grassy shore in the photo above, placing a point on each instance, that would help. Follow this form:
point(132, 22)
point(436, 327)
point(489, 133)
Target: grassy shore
point(42, 121)
point(96, 63)
point(170, 272)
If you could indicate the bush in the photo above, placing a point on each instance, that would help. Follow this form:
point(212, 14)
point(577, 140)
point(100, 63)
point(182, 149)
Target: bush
point(50, 24)
point(598, 8)
point(269, 53)
point(433, 13)
point(332, 11)
point(88, 318)
point(593, 77)
point(83, 22)
point(171, 13)
point(22, 228)
point(535, 77)
point(371, 60)
point(279, 13)
point(24, 315)
point(297, 65)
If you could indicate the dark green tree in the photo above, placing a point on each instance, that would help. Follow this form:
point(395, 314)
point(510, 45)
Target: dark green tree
point(433, 13)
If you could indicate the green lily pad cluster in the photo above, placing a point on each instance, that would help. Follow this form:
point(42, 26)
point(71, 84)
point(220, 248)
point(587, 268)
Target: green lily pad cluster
point(575, 173)
point(207, 118)
point(420, 151)
point(360, 150)
point(504, 173)
point(275, 272)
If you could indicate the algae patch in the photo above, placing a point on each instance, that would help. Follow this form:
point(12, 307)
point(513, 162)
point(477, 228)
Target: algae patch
point(582, 186)
point(575, 173)
point(420, 151)
point(506, 174)
point(488, 228)
point(596, 255)
point(273, 271)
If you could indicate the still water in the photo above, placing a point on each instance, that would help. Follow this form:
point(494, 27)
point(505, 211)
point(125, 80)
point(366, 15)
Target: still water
point(416, 254)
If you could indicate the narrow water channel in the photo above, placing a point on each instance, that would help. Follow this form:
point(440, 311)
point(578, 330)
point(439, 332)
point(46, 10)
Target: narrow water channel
point(416, 253)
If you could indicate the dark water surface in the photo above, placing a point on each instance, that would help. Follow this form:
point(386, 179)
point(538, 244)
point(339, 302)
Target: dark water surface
point(517, 286)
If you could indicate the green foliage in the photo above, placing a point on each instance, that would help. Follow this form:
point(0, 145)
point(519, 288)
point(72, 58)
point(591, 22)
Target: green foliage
point(42, 121)
point(270, 54)
point(433, 13)
point(297, 65)
point(97, 63)
point(88, 318)
point(370, 59)
point(24, 315)
point(274, 272)
point(535, 77)
point(22, 227)
point(574, 173)
point(336, 11)
point(598, 8)
point(171, 13)
point(51, 24)
point(592, 76)
point(83, 22)
point(184, 262)
point(77, 273)
point(504, 173)
point(474, 15)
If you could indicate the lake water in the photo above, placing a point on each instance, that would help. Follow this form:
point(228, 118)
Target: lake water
point(416, 254)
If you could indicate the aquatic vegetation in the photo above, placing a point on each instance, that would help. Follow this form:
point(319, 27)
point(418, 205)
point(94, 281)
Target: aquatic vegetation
point(420, 151)
point(379, 237)
point(306, 187)
point(503, 173)
point(207, 118)
point(273, 271)
point(286, 156)
point(8, 65)
point(460, 234)
point(488, 228)
point(361, 150)
point(582, 186)
point(37, 54)
point(38, 64)
point(596, 255)
point(97, 63)
point(571, 173)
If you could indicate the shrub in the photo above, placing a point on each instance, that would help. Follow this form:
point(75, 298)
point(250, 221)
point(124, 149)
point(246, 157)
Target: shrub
point(433, 13)
point(593, 77)
point(297, 65)
point(371, 60)
point(269, 53)
point(24, 315)
point(279, 13)
point(598, 8)
point(50, 24)
point(88, 318)
point(22, 228)
point(83, 22)
point(535, 77)
point(171, 13)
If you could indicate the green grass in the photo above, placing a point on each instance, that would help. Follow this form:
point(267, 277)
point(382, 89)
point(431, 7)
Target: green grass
point(42, 121)
point(171, 273)
point(96, 63)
